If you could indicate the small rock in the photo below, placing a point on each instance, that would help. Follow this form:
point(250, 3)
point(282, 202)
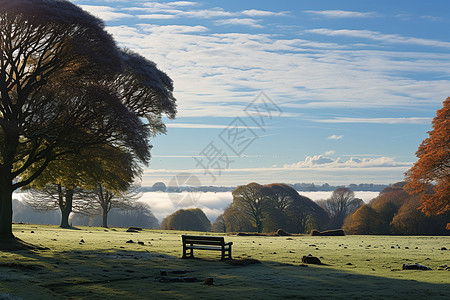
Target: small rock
point(141, 243)
point(208, 281)
point(82, 241)
point(415, 267)
point(349, 264)
point(32, 231)
point(443, 248)
point(311, 260)
point(130, 242)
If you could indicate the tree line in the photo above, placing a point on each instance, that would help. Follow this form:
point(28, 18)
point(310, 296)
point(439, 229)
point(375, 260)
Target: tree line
point(267, 208)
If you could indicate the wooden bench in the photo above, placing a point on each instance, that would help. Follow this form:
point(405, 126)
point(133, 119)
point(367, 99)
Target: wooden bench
point(205, 242)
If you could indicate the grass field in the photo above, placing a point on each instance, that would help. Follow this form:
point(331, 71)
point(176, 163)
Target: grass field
point(97, 263)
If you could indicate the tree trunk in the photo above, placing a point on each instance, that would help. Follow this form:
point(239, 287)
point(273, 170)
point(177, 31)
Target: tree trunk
point(67, 209)
point(105, 219)
point(6, 211)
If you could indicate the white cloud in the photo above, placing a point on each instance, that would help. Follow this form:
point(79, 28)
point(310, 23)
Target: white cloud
point(182, 3)
point(208, 13)
point(235, 67)
point(341, 13)
point(218, 74)
point(335, 137)
point(204, 126)
point(240, 21)
point(105, 13)
point(261, 13)
point(411, 120)
point(157, 16)
point(173, 29)
point(164, 204)
point(377, 36)
point(322, 161)
point(329, 152)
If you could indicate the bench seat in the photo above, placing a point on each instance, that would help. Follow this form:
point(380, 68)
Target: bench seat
point(204, 242)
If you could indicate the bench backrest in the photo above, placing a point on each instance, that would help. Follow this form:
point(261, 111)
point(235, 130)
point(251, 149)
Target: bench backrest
point(203, 239)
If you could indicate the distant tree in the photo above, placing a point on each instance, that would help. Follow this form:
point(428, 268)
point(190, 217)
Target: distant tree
point(108, 199)
point(159, 187)
point(26, 214)
point(219, 224)
point(56, 196)
point(291, 211)
point(273, 206)
point(365, 220)
point(139, 214)
point(236, 220)
point(433, 166)
point(187, 219)
point(252, 200)
point(410, 220)
point(341, 203)
point(387, 205)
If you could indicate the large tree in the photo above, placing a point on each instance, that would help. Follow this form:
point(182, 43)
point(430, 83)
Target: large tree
point(63, 87)
point(252, 200)
point(433, 166)
point(291, 211)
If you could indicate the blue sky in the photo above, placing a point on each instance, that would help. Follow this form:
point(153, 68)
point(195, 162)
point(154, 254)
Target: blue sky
point(290, 91)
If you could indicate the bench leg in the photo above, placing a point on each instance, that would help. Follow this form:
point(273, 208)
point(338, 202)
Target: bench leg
point(226, 254)
point(189, 255)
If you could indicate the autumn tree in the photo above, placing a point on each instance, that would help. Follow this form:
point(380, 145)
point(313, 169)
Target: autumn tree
point(410, 220)
point(65, 86)
point(341, 203)
point(433, 166)
point(387, 205)
point(365, 220)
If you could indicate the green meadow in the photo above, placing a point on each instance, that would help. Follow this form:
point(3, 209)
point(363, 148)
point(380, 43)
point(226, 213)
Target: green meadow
point(98, 263)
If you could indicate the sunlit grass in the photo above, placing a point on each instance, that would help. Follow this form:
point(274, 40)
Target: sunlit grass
point(95, 263)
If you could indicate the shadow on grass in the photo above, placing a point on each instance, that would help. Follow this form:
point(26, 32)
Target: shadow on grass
point(125, 274)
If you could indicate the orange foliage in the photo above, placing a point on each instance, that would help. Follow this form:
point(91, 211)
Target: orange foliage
point(433, 166)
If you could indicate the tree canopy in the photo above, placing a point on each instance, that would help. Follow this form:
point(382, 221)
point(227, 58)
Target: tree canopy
point(433, 166)
point(270, 207)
